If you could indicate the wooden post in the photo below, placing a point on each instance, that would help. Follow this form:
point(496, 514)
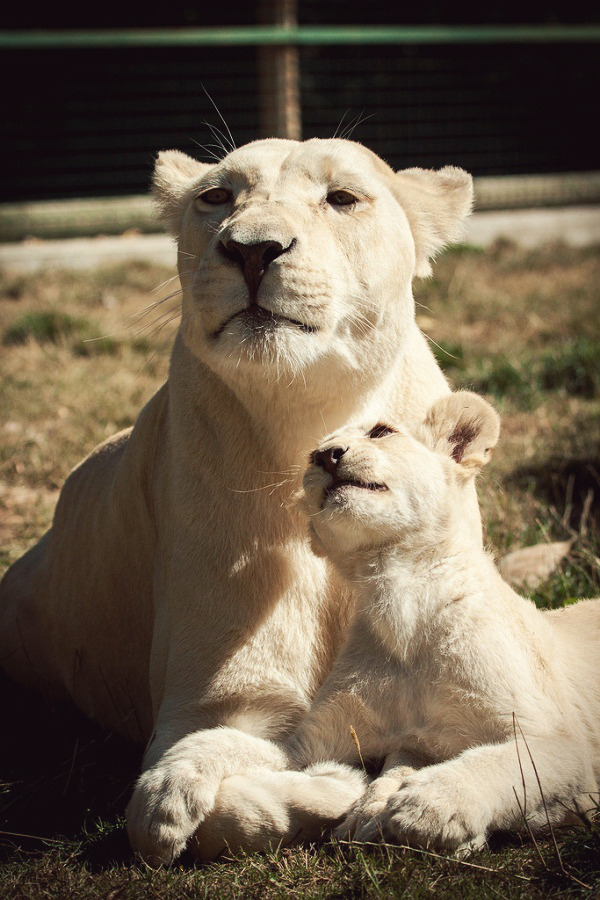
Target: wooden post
point(279, 75)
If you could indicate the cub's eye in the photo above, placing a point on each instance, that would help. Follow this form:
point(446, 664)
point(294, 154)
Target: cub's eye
point(341, 198)
point(215, 196)
point(380, 431)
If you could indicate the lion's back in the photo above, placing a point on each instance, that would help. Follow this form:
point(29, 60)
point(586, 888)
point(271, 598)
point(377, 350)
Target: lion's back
point(60, 601)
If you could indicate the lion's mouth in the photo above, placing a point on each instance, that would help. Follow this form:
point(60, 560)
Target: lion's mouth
point(259, 319)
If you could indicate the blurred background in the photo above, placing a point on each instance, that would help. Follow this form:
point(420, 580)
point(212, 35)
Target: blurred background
point(92, 93)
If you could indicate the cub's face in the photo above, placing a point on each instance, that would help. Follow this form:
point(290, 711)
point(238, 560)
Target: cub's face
point(295, 255)
point(369, 487)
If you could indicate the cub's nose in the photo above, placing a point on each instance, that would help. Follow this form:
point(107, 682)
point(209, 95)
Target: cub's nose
point(329, 459)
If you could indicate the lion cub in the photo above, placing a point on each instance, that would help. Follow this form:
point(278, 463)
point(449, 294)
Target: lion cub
point(486, 709)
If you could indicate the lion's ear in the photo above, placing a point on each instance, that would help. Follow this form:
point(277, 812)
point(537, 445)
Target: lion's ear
point(436, 204)
point(464, 426)
point(174, 174)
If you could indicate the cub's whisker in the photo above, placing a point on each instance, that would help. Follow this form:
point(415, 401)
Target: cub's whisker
point(263, 487)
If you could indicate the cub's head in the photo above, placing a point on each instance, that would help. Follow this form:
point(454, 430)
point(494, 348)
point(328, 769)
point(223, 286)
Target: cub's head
point(371, 486)
point(299, 256)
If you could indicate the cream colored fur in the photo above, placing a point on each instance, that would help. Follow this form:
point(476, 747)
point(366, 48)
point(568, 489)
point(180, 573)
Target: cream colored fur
point(268, 808)
point(176, 597)
point(469, 691)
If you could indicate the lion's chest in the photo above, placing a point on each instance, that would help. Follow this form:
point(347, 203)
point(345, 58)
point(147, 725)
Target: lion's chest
point(292, 616)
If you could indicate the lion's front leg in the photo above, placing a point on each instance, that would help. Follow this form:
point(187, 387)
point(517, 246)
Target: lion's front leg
point(268, 809)
point(174, 796)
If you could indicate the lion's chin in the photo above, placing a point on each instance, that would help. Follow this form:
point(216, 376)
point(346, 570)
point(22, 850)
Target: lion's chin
point(256, 322)
point(257, 337)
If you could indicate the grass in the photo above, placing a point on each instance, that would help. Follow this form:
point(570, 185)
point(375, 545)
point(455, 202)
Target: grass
point(79, 360)
point(573, 369)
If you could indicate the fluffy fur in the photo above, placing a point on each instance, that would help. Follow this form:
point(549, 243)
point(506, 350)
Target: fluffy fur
point(470, 692)
point(176, 597)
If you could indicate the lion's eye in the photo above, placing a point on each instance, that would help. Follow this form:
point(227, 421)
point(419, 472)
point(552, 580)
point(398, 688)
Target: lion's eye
point(380, 431)
point(341, 198)
point(215, 196)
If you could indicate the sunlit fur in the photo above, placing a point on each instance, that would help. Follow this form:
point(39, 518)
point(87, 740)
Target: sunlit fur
point(485, 709)
point(177, 590)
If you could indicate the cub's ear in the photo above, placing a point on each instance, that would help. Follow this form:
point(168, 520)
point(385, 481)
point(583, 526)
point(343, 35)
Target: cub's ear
point(436, 204)
point(464, 426)
point(174, 174)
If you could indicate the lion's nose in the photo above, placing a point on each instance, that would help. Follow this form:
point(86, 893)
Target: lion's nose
point(256, 256)
point(253, 259)
point(329, 459)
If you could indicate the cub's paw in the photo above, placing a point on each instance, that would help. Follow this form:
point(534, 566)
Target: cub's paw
point(367, 809)
point(168, 804)
point(433, 810)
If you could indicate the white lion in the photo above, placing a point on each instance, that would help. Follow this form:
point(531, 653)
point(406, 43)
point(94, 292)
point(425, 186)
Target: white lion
point(176, 597)
point(486, 709)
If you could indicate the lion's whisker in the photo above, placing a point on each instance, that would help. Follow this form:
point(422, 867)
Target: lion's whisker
point(340, 123)
point(207, 150)
point(135, 317)
point(219, 113)
point(164, 283)
point(431, 340)
point(358, 120)
point(155, 327)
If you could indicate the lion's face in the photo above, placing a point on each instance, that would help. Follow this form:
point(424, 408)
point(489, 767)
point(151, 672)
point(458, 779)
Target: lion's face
point(297, 254)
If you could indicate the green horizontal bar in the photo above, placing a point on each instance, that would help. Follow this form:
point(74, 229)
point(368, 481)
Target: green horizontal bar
point(326, 34)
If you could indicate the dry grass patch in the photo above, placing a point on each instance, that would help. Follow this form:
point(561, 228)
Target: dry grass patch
point(77, 365)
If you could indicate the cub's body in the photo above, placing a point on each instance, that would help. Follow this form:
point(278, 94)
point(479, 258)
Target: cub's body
point(486, 709)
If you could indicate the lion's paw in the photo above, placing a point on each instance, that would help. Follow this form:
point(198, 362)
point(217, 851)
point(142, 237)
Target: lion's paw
point(175, 795)
point(434, 811)
point(167, 806)
point(265, 809)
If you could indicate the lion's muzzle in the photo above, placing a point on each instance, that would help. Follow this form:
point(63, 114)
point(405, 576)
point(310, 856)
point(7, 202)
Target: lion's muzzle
point(253, 259)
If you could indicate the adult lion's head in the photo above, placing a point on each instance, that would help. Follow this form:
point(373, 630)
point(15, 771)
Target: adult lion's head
point(296, 256)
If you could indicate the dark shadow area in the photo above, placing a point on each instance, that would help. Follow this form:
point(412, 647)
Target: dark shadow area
point(61, 778)
point(570, 486)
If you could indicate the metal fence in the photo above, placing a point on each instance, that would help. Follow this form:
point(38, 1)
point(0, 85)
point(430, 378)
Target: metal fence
point(85, 112)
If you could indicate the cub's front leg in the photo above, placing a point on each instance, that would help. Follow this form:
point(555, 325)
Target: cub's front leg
point(455, 805)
